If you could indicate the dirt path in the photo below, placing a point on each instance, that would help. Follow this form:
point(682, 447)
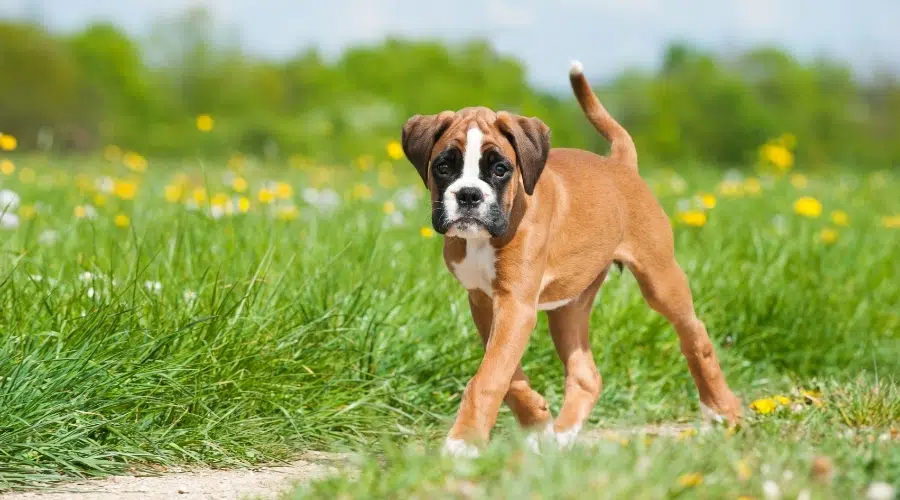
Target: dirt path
point(259, 482)
point(196, 484)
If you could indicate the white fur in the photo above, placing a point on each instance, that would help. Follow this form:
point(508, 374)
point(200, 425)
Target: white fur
point(476, 271)
point(566, 439)
point(459, 448)
point(577, 68)
point(536, 438)
point(549, 306)
point(469, 178)
point(710, 415)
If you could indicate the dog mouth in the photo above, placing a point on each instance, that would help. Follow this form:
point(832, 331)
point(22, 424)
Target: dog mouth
point(467, 222)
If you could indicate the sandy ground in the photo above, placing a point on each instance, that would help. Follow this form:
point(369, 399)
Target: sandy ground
point(196, 484)
point(259, 482)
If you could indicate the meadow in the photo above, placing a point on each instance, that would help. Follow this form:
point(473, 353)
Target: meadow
point(241, 311)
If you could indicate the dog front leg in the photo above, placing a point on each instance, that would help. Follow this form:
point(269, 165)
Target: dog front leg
point(513, 322)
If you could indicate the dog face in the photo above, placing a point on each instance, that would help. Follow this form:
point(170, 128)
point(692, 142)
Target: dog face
point(475, 162)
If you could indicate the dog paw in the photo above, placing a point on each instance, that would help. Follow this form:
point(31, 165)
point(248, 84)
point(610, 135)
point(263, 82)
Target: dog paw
point(566, 439)
point(537, 438)
point(729, 413)
point(710, 415)
point(457, 448)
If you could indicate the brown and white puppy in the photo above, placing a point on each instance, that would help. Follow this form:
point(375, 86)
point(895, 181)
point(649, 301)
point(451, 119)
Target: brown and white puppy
point(528, 228)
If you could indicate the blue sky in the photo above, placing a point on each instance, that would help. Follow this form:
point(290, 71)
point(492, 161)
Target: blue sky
point(607, 36)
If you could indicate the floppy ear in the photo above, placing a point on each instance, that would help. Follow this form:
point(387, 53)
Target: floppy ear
point(530, 138)
point(420, 134)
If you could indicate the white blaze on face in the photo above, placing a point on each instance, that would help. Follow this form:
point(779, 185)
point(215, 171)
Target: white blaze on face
point(469, 178)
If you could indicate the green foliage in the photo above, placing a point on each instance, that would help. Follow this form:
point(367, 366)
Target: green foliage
point(99, 87)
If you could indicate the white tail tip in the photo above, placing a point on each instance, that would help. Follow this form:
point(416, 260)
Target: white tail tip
point(577, 68)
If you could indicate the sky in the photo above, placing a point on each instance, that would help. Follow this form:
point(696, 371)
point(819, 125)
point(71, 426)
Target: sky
point(607, 36)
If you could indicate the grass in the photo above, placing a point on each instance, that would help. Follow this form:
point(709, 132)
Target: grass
point(282, 330)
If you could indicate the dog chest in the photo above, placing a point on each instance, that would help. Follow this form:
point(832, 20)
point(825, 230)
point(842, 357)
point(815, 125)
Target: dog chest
point(476, 271)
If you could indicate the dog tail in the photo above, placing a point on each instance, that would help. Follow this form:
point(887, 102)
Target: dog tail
point(622, 148)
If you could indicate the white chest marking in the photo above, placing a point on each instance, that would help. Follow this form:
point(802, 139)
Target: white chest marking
point(549, 306)
point(476, 271)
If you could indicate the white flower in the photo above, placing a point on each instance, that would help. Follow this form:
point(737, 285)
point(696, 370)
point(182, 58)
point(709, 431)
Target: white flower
point(9, 200)
point(191, 205)
point(216, 211)
point(396, 219)
point(684, 205)
point(86, 276)
point(880, 491)
point(37, 278)
point(90, 212)
point(91, 293)
point(407, 198)
point(311, 195)
point(328, 200)
point(8, 221)
point(153, 286)
point(106, 184)
point(677, 184)
point(48, 237)
point(804, 495)
point(733, 175)
point(771, 491)
point(189, 296)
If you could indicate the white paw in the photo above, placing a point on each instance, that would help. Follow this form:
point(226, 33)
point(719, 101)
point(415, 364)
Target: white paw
point(458, 448)
point(710, 415)
point(536, 438)
point(566, 439)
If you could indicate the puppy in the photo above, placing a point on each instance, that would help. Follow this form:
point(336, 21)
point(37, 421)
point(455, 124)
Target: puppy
point(528, 228)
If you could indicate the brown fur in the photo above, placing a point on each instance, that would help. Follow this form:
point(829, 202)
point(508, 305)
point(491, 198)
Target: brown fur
point(586, 212)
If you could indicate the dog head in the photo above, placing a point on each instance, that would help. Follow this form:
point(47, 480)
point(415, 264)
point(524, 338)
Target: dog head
point(475, 162)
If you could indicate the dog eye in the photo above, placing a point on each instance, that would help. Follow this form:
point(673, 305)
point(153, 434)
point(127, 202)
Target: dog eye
point(499, 169)
point(442, 169)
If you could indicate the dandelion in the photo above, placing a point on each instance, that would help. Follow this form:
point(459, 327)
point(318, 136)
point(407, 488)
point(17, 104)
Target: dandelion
point(122, 221)
point(243, 204)
point(153, 286)
point(9, 200)
point(361, 192)
point(112, 153)
point(690, 480)
point(840, 218)
point(828, 235)
point(763, 406)
point(426, 232)
point(808, 206)
point(8, 220)
point(782, 400)
point(891, 221)
point(220, 200)
point(395, 150)
point(799, 181)
point(199, 195)
point(85, 212)
point(743, 470)
point(8, 142)
point(288, 213)
point(239, 184)
point(731, 189)
point(707, 200)
point(28, 212)
point(752, 186)
point(694, 218)
point(204, 123)
point(388, 208)
point(283, 191)
point(135, 162)
point(173, 193)
point(265, 196)
point(125, 190)
point(7, 167)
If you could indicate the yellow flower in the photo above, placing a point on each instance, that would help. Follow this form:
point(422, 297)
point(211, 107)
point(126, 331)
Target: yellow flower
point(799, 181)
point(99, 200)
point(7, 167)
point(814, 396)
point(778, 155)
point(27, 175)
point(243, 204)
point(112, 152)
point(204, 123)
point(288, 213)
point(8, 142)
point(284, 191)
point(219, 200)
point(808, 206)
point(80, 212)
point(199, 194)
point(122, 220)
point(828, 235)
point(387, 179)
point(27, 212)
point(745, 497)
point(695, 218)
point(173, 193)
point(733, 189)
point(782, 400)
point(395, 150)
point(125, 190)
point(364, 162)
point(743, 470)
point(891, 221)
point(239, 184)
point(266, 196)
point(362, 191)
point(708, 200)
point(752, 186)
point(840, 218)
point(426, 232)
point(763, 406)
point(389, 207)
point(690, 480)
point(135, 162)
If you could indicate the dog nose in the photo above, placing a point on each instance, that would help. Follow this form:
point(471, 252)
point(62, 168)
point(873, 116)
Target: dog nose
point(469, 197)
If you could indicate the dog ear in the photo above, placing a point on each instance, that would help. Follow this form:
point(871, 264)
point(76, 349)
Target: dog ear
point(420, 133)
point(530, 138)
